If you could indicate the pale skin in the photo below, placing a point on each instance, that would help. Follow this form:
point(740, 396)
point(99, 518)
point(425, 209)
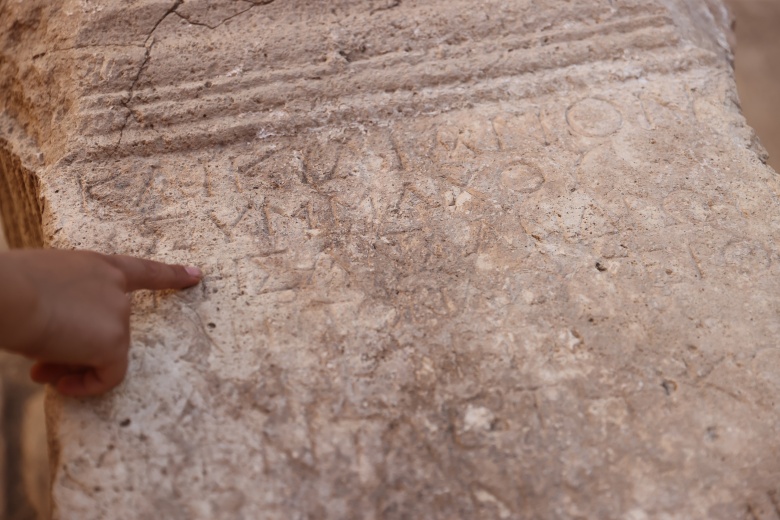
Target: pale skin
point(69, 311)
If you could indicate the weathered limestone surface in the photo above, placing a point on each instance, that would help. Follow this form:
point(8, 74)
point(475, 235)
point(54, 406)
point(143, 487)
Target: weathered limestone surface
point(497, 259)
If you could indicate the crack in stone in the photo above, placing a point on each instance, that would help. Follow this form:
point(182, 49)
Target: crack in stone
point(212, 27)
point(172, 9)
point(147, 55)
point(131, 94)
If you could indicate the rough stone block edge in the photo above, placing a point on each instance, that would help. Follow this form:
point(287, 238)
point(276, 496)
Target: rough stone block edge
point(21, 203)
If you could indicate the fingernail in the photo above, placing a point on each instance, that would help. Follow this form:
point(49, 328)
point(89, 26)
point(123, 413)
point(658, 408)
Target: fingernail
point(193, 271)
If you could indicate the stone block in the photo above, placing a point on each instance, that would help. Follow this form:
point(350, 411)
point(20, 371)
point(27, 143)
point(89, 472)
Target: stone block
point(505, 259)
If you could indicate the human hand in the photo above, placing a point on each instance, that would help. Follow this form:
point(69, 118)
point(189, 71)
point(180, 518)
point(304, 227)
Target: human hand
point(70, 312)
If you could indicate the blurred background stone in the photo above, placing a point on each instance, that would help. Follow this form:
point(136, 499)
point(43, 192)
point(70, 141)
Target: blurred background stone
point(24, 436)
point(35, 466)
point(758, 69)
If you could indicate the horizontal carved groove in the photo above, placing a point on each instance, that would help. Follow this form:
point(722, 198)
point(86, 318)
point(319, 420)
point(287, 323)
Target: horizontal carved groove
point(408, 75)
point(226, 129)
point(496, 45)
point(293, 97)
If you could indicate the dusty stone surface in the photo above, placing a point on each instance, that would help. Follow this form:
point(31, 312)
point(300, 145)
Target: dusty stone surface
point(516, 259)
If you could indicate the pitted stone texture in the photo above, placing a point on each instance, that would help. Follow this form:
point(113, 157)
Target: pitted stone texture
point(516, 259)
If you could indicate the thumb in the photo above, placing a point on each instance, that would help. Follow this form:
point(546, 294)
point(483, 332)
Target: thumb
point(93, 381)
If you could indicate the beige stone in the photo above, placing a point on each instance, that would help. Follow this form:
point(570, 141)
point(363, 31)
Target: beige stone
point(35, 462)
point(23, 442)
point(513, 259)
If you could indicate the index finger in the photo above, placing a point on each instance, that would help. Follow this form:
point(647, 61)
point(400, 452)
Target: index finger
point(148, 274)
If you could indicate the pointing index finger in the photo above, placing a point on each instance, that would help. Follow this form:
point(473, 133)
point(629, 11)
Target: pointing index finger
point(148, 274)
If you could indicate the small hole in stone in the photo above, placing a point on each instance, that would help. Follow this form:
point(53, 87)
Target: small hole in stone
point(212, 325)
point(125, 423)
point(601, 267)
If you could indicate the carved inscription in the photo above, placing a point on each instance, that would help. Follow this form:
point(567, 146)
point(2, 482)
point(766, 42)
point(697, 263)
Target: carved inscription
point(460, 263)
point(594, 118)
